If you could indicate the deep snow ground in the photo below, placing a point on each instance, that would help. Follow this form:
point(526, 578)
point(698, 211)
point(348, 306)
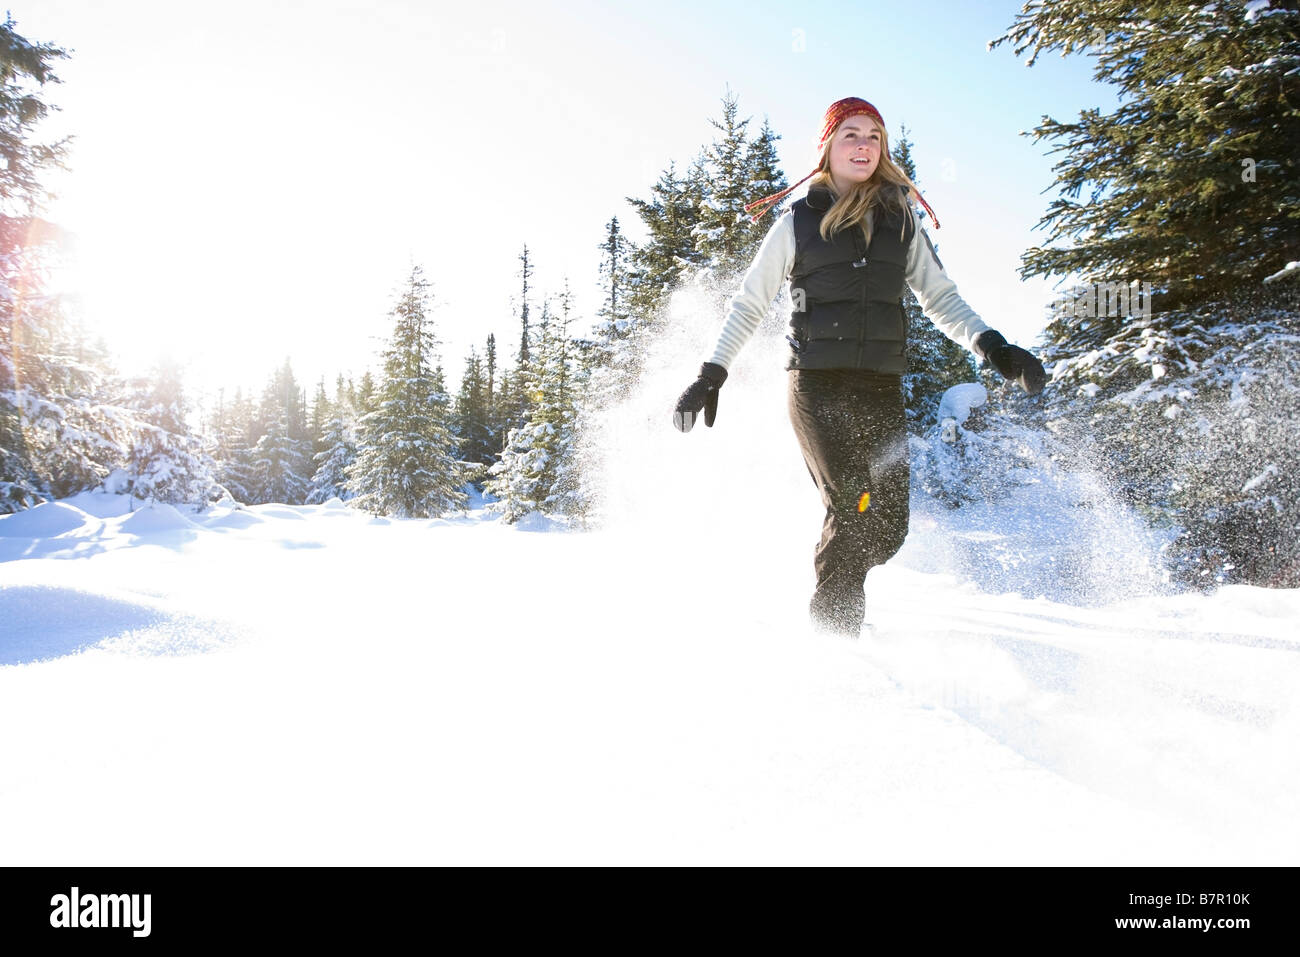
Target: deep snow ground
point(310, 685)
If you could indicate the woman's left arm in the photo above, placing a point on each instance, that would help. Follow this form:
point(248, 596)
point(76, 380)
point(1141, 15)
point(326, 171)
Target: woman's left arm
point(937, 294)
point(958, 321)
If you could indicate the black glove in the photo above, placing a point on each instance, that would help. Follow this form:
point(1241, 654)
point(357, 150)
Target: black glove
point(702, 394)
point(1011, 361)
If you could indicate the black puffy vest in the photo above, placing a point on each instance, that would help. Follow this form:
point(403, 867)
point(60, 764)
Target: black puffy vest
point(852, 315)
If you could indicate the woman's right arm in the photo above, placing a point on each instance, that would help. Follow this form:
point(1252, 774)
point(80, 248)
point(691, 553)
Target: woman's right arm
point(770, 268)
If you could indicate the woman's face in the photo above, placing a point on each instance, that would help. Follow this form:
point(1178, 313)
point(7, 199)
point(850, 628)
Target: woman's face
point(855, 152)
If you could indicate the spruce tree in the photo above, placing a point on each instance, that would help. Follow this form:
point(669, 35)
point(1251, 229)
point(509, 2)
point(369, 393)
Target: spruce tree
point(318, 420)
point(619, 337)
point(284, 398)
point(613, 321)
point(510, 398)
point(471, 417)
point(724, 234)
point(1194, 180)
point(525, 273)
point(367, 399)
point(490, 357)
point(22, 162)
point(281, 467)
point(22, 109)
point(234, 452)
point(669, 217)
point(278, 459)
point(567, 381)
point(492, 400)
point(72, 430)
point(763, 169)
point(537, 470)
point(167, 462)
point(513, 402)
point(337, 448)
point(345, 396)
point(338, 453)
point(407, 464)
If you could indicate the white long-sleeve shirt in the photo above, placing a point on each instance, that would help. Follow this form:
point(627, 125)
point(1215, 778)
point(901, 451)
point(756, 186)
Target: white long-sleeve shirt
point(936, 293)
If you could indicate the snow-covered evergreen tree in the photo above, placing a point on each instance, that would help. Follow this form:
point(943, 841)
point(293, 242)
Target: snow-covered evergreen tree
point(20, 486)
point(318, 418)
point(619, 338)
point(340, 451)
point(763, 169)
point(345, 395)
point(670, 217)
point(472, 415)
point(614, 323)
point(538, 470)
point(569, 376)
point(513, 399)
point(407, 464)
point(167, 462)
point(59, 429)
point(283, 399)
point(281, 468)
point(496, 410)
point(515, 478)
point(231, 424)
point(367, 395)
point(91, 434)
point(724, 235)
point(1193, 183)
point(58, 393)
point(26, 69)
point(279, 458)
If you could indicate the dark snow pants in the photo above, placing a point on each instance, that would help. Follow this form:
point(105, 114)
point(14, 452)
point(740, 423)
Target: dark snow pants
point(852, 431)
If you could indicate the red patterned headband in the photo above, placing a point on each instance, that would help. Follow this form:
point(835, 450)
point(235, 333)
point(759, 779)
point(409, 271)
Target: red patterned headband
point(836, 113)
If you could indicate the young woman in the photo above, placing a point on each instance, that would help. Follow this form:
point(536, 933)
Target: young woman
point(847, 247)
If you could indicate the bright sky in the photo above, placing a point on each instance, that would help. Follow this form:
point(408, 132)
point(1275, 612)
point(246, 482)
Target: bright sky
point(252, 181)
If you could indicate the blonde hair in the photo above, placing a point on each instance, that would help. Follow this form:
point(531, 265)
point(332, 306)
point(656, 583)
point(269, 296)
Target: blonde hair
point(852, 208)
